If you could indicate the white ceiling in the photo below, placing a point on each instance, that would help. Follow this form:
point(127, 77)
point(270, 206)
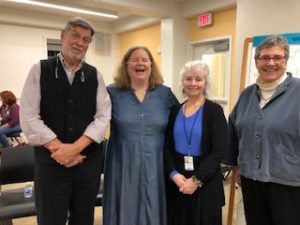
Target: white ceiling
point(122, 8)
point(132, 13)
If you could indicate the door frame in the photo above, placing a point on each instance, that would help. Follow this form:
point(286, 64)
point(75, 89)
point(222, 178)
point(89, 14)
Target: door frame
point(224, 101)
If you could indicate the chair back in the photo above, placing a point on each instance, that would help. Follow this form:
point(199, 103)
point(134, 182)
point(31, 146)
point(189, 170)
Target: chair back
point(16, 165)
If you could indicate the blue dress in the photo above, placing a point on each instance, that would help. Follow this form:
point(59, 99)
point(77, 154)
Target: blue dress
point(134, 188)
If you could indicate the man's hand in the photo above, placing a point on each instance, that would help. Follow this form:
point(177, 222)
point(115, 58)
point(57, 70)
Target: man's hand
point(53, 145)
point(67, 155)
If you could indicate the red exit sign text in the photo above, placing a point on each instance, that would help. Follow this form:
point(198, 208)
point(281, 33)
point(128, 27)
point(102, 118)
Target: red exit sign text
point(204, 19)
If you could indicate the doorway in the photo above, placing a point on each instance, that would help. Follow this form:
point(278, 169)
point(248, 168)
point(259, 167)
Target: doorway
point(53, 47)
point(216, 53)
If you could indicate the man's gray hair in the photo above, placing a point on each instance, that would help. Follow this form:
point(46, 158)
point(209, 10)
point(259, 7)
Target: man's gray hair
point(79, 22)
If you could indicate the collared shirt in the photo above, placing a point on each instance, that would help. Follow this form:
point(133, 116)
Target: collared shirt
point(265, 142)
point(35, 129)
point(70, 73)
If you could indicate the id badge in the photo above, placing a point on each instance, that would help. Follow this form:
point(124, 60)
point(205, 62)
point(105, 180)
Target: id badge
point(188, 163)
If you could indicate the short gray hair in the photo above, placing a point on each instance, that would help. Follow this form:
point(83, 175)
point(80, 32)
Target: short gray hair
point(198, 66)
point(272, 41)
point(79, 22)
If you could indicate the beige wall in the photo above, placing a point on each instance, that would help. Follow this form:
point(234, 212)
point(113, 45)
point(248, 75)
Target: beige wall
point(224, 24)
point(148, 36)
point(20, 47)
point(265, 17)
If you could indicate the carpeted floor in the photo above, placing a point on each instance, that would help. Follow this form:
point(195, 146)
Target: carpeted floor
point(98, 211)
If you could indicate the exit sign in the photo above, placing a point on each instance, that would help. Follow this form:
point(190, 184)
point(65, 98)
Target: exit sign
point(204, 19)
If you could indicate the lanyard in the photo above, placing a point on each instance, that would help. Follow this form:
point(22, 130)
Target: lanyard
point(189, 137)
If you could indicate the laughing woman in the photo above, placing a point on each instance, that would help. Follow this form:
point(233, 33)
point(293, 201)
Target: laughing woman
point(134, 190)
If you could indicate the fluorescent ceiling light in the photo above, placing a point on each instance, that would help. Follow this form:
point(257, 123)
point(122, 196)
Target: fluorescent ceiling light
point(65, 8)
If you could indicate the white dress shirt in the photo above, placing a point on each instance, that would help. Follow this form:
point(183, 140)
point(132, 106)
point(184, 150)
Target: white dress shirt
point(34, 128)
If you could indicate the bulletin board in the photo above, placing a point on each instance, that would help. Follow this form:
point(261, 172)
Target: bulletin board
point(249, 72)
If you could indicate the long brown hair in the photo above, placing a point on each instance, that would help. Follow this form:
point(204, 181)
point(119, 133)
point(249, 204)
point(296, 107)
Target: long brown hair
point(122, 79)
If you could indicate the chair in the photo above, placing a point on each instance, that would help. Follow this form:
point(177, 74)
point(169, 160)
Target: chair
point(16, 166)
point(16, 137)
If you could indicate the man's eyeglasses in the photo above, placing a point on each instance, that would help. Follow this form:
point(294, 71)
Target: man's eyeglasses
point(76, 36)
point(267, 59)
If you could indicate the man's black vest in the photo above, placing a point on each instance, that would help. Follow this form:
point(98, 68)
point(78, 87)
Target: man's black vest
point(67, 109)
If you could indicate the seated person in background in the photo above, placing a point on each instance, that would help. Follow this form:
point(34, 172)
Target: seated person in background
point(9, 112)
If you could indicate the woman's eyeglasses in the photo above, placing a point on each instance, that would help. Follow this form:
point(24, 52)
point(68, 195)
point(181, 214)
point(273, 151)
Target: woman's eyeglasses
point(276, 59)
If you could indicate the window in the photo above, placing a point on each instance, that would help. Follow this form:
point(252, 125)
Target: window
point(53, 47)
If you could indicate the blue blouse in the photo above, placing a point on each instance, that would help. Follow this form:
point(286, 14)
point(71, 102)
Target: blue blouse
point(187, 131)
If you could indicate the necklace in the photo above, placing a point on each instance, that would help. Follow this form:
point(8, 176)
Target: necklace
point(190, 135)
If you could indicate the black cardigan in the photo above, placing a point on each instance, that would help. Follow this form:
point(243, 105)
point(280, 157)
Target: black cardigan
point(213, 144)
